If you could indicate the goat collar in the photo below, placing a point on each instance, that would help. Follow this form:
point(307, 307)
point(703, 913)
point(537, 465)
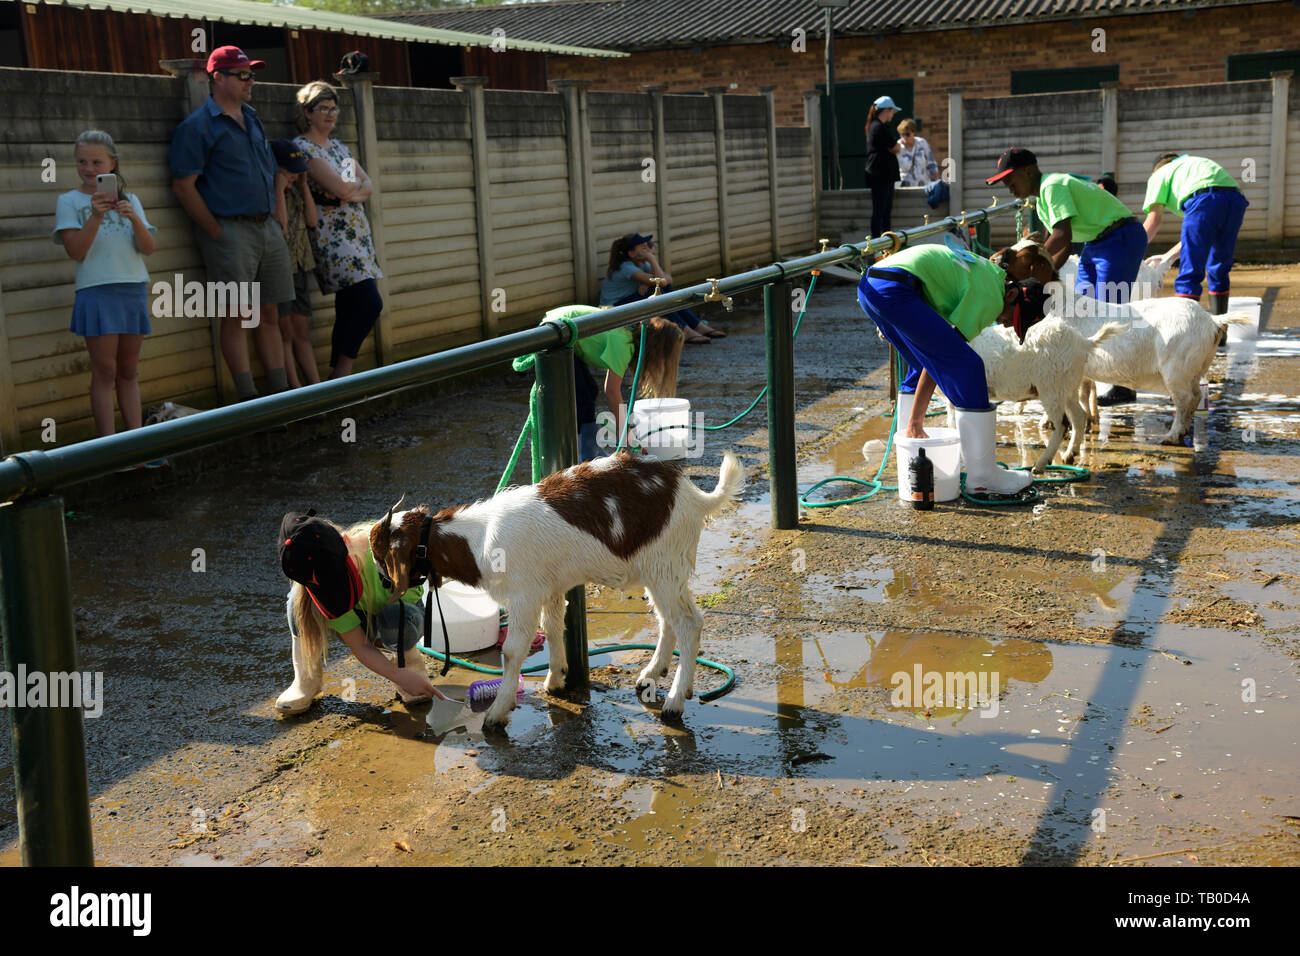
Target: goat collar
point(422, 568)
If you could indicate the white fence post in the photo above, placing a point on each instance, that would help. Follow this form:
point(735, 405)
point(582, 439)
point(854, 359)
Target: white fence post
point(956, 147)
point(1275, 224)
point(472, 87)
point(812, 118)
point(1109, 127)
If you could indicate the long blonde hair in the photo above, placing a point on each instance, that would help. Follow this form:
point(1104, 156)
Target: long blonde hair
point(308, 621)
point(663, 353)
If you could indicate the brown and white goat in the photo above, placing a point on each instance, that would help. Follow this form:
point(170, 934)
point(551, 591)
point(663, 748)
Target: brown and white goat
point(619, 521)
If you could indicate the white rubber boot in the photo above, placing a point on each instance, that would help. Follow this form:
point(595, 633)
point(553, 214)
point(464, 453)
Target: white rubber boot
point(308, 676)
point(905, 400)
point(978, 431)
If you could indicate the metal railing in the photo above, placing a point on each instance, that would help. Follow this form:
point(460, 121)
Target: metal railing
point(35, 581)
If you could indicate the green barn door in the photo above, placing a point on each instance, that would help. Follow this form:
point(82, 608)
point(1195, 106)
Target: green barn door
point(852, 102)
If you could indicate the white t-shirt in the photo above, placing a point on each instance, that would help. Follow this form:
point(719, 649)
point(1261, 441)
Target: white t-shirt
point(112, 257)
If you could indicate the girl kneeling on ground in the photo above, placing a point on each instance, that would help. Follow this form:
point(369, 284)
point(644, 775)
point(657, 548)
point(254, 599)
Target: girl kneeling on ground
point(338, 589)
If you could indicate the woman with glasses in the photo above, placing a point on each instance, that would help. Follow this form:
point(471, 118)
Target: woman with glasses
point(915, 160)
point(340, 186)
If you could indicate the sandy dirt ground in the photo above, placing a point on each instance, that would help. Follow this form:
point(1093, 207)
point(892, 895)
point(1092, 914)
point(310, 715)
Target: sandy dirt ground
point(1137, 633)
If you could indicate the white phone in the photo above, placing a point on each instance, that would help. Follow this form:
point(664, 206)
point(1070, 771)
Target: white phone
point(106, 183)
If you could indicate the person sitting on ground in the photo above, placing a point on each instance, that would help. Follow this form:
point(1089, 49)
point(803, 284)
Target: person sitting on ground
point(633, 267)
point(929, 302)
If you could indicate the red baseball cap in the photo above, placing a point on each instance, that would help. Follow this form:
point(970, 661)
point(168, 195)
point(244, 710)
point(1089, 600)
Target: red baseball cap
point(232, 58)
point(1013, 159)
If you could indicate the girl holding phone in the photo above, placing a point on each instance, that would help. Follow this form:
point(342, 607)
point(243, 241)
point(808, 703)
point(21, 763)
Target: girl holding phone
point(104, 229)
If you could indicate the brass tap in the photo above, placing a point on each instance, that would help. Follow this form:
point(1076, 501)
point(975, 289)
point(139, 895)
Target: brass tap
point(713, 295)
point(658, 283)
point(826, 244)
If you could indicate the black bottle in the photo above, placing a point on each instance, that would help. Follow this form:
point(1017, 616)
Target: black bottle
point(920, 472)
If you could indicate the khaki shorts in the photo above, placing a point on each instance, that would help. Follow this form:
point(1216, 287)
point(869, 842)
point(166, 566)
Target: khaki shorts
point(250, 252)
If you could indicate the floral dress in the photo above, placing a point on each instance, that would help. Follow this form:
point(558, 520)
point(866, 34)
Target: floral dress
point(344, 233)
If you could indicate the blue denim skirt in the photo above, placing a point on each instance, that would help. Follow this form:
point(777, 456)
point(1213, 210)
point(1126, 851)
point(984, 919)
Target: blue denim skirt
point(118, 308)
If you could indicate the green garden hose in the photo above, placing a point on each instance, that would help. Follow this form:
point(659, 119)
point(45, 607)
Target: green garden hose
point(592, 651)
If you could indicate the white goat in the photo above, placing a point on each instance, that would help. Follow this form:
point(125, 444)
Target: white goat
point(1167, 346)
point(1049, 367)
point(1149, 285)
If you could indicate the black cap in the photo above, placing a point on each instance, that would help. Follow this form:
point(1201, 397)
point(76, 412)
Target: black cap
point(288, 155)
point(1013, 159)
point(315, 555)
point(635, 239)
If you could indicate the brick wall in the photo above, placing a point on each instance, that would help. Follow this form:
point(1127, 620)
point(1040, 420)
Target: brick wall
point(1165, 49)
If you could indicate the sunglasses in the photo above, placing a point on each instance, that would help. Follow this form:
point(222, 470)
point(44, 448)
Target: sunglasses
point(244, 75)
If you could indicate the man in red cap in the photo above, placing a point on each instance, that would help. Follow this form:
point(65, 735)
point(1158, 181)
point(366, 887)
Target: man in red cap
point(1075, 210)
point(223, 173)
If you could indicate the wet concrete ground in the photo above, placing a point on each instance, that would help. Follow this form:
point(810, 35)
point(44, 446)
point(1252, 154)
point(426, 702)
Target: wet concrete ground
point(1121, 625)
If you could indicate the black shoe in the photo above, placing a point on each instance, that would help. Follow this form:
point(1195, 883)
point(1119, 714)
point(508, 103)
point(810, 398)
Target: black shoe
point(1118, 395)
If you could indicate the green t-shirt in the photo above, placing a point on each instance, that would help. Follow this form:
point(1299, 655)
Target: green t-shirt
point(611, 350)
point(374, 597)
point(967, 290)
point(1173, 183)
point(1089, 208)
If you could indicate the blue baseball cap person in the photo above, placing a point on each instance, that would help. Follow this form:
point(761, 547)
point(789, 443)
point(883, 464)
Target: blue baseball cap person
point(884, 103)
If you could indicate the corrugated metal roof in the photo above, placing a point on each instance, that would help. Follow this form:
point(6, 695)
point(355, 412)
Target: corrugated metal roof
point(662, 24)
point(301, 18)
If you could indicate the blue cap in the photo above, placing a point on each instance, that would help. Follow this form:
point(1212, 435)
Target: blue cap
point(884, 103)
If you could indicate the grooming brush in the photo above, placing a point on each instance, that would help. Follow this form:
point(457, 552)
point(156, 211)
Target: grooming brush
point(482, 693)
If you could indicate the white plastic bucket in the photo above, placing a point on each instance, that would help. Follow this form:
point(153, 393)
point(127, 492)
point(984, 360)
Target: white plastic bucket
point(662, 426)
point(1250, 304)
point(471, 615)
point(943, 448)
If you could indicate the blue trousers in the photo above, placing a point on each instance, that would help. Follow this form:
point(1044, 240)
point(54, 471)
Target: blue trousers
point(1109, 267)
point(925, 340)
point(1211, 222)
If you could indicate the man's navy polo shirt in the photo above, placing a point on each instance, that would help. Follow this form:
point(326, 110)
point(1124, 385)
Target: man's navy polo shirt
point(235, 166)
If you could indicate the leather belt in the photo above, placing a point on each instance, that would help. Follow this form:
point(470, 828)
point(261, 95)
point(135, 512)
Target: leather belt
point(895, 275)
point(1113, 226)
point(1208, 189)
